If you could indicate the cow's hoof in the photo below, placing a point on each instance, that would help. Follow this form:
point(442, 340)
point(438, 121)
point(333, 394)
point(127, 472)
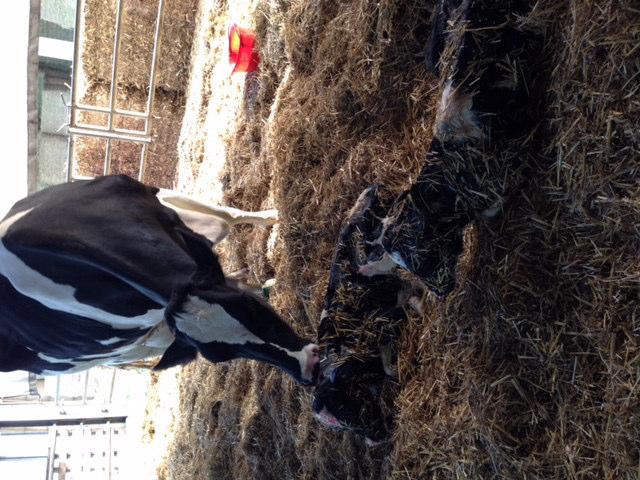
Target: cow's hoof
point(310, 363)
point(382, 267)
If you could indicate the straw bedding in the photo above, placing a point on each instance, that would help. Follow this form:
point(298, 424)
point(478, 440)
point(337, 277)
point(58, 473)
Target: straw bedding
point(530, 367)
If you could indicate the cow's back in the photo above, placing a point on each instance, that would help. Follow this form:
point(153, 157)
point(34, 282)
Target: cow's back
point(87, 268)
point(112, 223)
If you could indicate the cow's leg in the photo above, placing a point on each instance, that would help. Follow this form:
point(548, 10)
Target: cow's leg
point(232, 216)
point(241, 275)
point(383, 266)
point(225, 322)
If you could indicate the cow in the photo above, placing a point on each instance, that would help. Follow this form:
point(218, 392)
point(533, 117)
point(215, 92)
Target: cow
point(110, 271)
point(485, 60)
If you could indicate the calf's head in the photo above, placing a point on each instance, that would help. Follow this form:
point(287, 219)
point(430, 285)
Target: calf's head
point(348, 397)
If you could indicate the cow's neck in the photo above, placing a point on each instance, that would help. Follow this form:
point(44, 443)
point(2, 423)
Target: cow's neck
point(226, 323)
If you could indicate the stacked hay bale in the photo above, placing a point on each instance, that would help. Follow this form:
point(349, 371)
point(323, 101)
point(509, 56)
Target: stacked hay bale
point(136, 46)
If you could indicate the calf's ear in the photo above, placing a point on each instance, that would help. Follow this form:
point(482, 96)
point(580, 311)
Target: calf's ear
point(178, 353)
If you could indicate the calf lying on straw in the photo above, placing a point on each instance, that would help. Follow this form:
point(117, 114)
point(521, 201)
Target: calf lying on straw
point(483, 124)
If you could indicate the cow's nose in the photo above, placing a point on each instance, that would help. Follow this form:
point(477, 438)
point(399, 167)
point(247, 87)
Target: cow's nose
point(309, 364)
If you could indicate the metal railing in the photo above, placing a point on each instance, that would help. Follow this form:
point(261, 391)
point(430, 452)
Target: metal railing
point(111, 132)
point(82, 453)
point(86, 373)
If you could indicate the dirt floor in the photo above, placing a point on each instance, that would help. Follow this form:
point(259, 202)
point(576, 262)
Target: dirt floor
point(531, 367)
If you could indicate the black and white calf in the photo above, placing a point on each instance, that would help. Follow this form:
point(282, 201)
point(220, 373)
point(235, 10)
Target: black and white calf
point(485, 59)
point(110, 271)
point(359, 324)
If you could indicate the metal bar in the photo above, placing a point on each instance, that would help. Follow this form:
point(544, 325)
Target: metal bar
point(85, 447)
point(74, 71)
point(143, 164)
point(95, 127)
point(113, 382)
point(52, 452)
point(57, 390)
point(117, 111)
point(152, 87)
point(26, 458)
point(88, 132)
point(86, 386)
point(47, 422)
point(126, 130)
point(46, 476)
point(70, 142)
point(154, 62)
point(130, 113)
point(113, 89)
point(100, 128)
point(107, 158)
point(110, 447)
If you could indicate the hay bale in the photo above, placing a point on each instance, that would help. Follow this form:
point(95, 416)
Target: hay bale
point(137, 42)
point(162, 154)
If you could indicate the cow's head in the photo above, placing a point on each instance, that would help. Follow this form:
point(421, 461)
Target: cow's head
point(348, 397)
point(306, 370)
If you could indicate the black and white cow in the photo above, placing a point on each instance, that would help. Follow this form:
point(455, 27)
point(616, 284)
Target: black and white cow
point(110, 271)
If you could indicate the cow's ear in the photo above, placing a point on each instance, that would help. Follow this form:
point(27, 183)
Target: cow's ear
point(178, 353)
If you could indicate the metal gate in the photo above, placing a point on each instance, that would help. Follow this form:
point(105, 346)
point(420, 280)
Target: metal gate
point(110, 131)
point(74, 434)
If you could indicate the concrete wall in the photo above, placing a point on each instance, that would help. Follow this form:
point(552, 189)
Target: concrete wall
point(57, 21)
point(14, 32)
point(52, 142)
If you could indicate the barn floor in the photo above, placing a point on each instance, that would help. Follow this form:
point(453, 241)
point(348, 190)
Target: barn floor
point(531, 367)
